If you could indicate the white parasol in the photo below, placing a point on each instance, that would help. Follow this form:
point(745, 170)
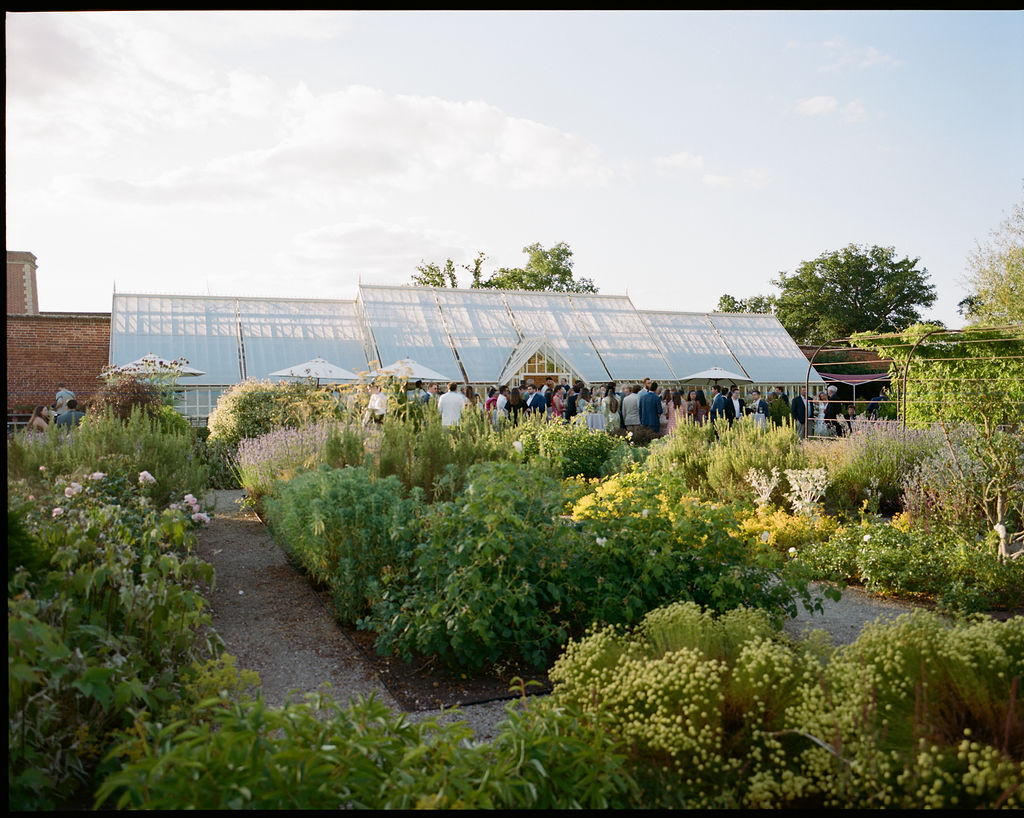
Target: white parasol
point(319, 369)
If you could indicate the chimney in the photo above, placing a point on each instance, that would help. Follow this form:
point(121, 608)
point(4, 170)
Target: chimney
point(22, 295)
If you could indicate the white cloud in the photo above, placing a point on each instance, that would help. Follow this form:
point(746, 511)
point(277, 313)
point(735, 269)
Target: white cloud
point(370, 250)
point(749, 179)
point(681, 160)
point(854, 111)
point(817, 106)
point(838, 54)
point(340, 146)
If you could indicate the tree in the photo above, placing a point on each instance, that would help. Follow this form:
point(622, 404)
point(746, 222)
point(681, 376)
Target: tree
point(996, 276)
point(856, 289)
point(756, 304)
point(545, 270)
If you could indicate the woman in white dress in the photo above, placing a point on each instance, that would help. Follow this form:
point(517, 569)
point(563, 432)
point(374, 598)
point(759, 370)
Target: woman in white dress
point(819, 414)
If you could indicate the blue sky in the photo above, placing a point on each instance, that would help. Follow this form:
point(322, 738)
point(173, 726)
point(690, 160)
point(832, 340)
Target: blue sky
point(681, 155)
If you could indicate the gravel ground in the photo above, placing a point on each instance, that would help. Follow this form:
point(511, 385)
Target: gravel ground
point(275, 623)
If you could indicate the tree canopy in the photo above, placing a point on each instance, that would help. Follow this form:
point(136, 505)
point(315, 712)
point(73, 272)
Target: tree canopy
point(996, 276)
point(856, 289)
point(756, 303)
point(549, 270)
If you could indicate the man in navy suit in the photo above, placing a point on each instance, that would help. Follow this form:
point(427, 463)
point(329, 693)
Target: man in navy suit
point(718, 408)
point(650, 408)
point(799, 410)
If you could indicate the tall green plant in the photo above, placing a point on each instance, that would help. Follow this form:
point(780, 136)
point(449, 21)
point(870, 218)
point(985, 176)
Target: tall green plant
point(108, 444)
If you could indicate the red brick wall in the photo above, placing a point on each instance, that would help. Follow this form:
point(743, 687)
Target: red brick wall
point(50, 348)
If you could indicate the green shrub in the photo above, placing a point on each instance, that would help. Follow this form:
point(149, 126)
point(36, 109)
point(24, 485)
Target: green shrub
point(685, 453)
point(106, 443)
point(745, 446)
point(345, 528)
point(487, 580)
point(872, 465)
point(422, 453)
point(965, 576)
point(720, 712)
point(99, 631)
point(321, 755)
point(119, 397)
point(573, 450)
point(253, 408)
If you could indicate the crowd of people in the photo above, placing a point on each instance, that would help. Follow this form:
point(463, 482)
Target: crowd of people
point(633, 407)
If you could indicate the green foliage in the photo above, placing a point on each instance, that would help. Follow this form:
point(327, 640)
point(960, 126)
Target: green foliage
point(426, 455)
point(106, 443)
point(974, 375)
point(745, 446)
point(547, 270)
point(321, 755)
point(996, 275)
point(99, 631)
point(253, 408)
point(486, 582)
point(647, 542)
point(720, 713)
point(872, 465)
point(345, 529)
point(120, 396)
point(856, 289)
point(963, 575)
point(261, 462)
point(686, 453)
point(572, 450)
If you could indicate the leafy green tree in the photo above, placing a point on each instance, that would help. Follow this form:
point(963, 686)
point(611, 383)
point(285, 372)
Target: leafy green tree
point(996, 275)
point(548, 270)
point(856, 289)
point(756, 303)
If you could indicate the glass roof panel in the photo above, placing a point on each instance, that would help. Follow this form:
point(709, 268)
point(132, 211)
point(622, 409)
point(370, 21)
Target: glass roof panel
point(551, 316)
point(481, 330)
point(762, 345)
point(280, 334)
point(406, 323)
point(689, 342)
point(621, 338)
point(200, 329)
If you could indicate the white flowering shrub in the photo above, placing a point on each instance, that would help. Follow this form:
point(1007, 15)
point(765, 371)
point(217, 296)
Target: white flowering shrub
point(806, 488)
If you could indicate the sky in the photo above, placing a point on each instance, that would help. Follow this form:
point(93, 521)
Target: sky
point(680, 155)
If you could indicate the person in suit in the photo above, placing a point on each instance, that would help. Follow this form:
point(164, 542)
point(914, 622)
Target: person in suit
point(798, 407)
point(735, 406)
point(718, 403)
point(651, 408)
point(758, 408)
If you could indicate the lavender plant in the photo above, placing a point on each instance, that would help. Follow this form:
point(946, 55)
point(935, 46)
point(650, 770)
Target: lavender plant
point(282, 453)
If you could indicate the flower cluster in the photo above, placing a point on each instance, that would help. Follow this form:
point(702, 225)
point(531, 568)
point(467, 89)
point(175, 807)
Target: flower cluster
point(191, 507)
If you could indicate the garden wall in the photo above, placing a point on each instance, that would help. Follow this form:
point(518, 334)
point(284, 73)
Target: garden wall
point(50, 348)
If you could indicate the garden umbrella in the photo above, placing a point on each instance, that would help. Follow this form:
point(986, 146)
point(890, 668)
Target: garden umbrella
point(716, 373)
point(317, 368)
point(411, 370)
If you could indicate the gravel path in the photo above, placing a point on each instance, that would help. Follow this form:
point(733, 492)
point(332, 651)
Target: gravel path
point(274, 623)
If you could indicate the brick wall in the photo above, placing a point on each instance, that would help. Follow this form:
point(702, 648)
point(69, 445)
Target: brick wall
point(50, 348)
point(22, 297)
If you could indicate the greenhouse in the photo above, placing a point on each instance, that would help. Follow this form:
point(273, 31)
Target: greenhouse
point(477, 336)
